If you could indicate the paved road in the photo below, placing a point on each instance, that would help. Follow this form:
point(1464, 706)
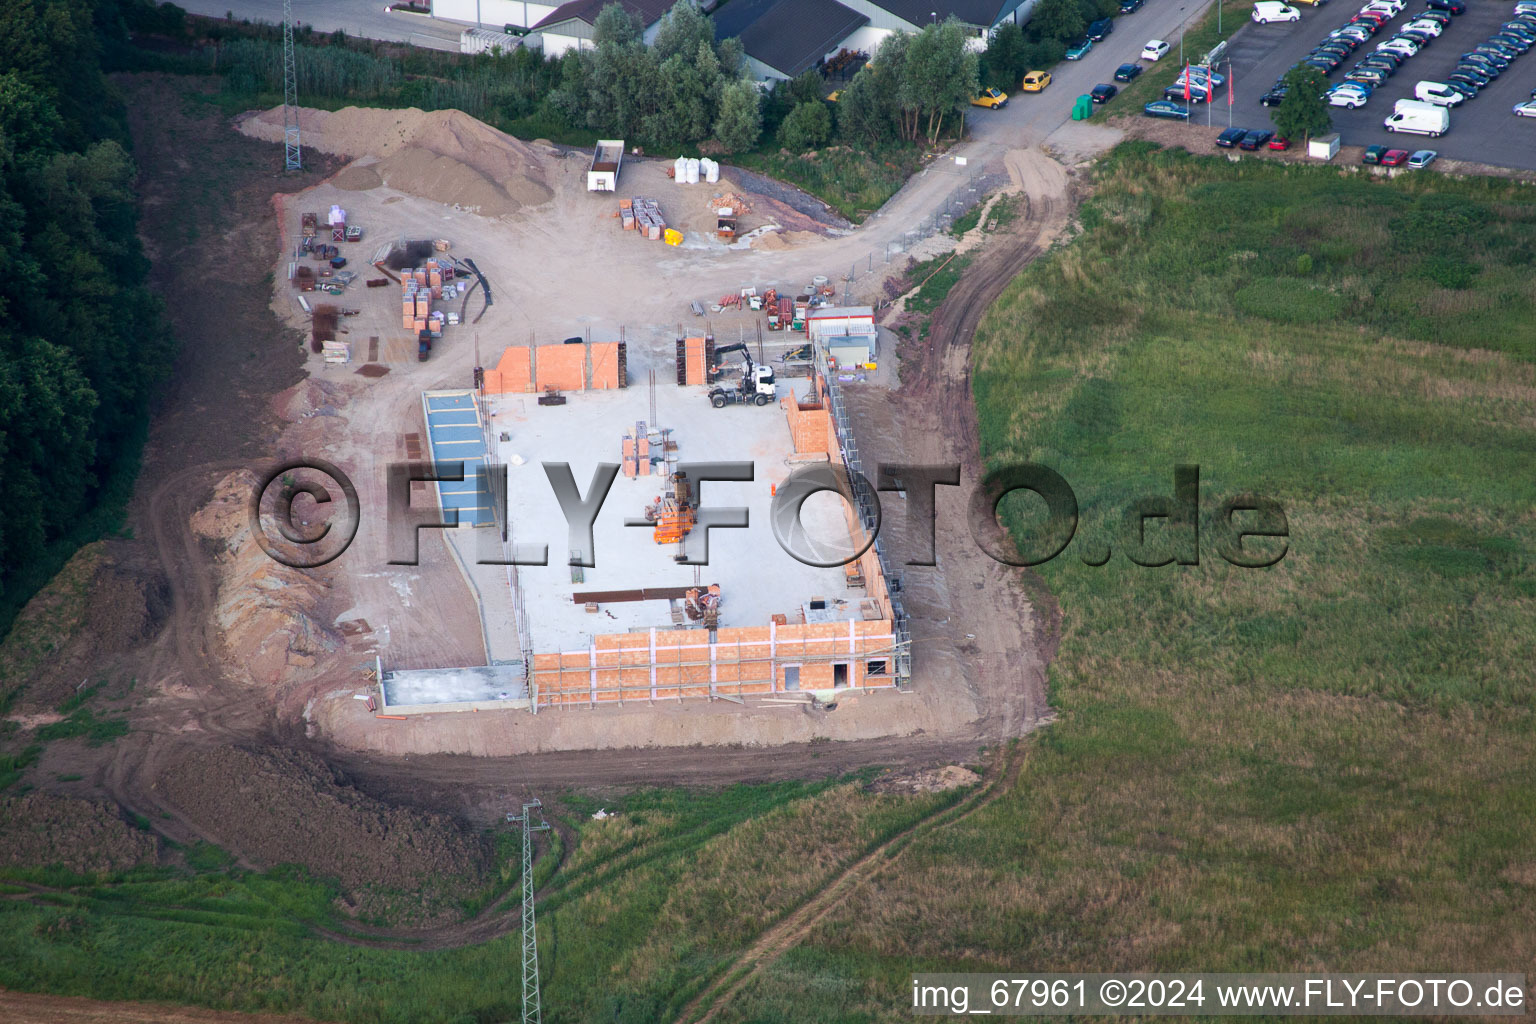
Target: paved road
point(1482, 129)
point(365, 18)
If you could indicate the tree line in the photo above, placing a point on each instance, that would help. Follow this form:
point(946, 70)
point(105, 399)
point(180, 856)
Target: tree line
point(83, 342)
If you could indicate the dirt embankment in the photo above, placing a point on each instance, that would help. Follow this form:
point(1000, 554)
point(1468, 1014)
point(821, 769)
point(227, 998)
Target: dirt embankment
point(444, 155)
point(283, 807)
point(267, 614)
point(85, 836)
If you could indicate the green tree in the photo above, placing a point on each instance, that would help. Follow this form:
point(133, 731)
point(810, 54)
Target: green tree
point(1003, 62)
point(681, 30)
point(939, 78)
point(864, 118)
point(808, 126)
point(1303, 113)
point(740, 120)
point(807, 87)
point(1061, 20)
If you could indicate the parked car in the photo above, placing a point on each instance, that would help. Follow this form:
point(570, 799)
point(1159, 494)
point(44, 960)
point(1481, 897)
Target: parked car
point(1155, 50)
point(1394, 158)
point(1422, 38)
point(1126, 72)
point(1280, 142)
point(1325, 62)
point(1130, 6)
point(1099, 29)
point(1349, 94)
point(1266, 11)
point(1339, 50)
point(1166, 108)
point(1440, 18)
point(1426, 25)
point(1179, 94)
point(1274, 97)
point(1437, 92)
point(1255, 139)
point(1492, 61)
point(1373, 77)
point(1079, 49)
point(1526, 109)
point(1454, 6)
point(996, 99)
point(1422, 158)
point(1036, 81)
point(1465, 83)
point(1200, 76)
point(1392, 7)
point(1400, 44)
point(1231, 137)
point(1519, 44)
point(1103, 92)
point(1373, 154)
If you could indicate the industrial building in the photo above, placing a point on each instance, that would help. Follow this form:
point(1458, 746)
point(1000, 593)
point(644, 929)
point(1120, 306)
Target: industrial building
point(638, 622)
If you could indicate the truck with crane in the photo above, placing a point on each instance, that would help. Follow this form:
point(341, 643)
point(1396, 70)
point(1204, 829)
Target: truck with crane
point(756, 386)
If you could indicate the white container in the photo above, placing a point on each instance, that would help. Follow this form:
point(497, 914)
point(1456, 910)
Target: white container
point(680, 170)
point(337, 216)
point(693, 172)
point(712, 171)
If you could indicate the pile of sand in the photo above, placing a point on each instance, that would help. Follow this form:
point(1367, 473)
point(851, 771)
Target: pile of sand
point(266, 613)
point(444, 155)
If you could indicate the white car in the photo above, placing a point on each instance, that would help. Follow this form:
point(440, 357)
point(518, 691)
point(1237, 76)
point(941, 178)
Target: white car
point(1526, 109)
point(1155, 50)
point(1266, 11)
point(1428, 26)
point(1406, 47)
point(1438, 93)
point(1347, 94)
point(1200, 76)
point(1392, 7)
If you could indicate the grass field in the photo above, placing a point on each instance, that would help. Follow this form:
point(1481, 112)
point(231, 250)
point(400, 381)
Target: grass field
point(1324, 764)
point(648, 907)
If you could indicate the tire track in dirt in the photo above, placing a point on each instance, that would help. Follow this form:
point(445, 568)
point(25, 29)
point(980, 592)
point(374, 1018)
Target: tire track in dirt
point(798, 924)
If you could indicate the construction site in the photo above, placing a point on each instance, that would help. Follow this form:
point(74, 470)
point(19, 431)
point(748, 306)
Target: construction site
point(502, 361)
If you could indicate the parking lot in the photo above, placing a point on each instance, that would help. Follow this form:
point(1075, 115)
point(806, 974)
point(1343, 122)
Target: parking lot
point(1483, 129)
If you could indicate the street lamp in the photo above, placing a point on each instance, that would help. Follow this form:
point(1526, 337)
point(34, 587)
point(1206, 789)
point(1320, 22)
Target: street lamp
point(1181, 37)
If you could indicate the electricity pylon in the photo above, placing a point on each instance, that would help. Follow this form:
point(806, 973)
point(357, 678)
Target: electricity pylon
point(293, 160)
point(531, 1009)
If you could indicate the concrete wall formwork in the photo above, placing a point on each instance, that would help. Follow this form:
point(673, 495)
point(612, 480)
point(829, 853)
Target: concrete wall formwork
point(598, 365)
point(674, 664)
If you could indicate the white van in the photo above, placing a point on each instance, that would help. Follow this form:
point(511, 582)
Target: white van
point(1418, 118)
point(1266, 11)
point(1438, 94)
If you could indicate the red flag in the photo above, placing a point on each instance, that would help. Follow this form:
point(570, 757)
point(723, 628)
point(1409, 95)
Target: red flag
point(1186, 83)
point(1231, 84)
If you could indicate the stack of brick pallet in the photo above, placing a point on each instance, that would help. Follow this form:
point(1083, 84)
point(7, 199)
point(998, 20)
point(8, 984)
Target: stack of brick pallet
point(627, 214)
point(647, 217)
point(416, 300)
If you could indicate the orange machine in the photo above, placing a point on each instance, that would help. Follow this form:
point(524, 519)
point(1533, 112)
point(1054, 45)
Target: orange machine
point(672, 512)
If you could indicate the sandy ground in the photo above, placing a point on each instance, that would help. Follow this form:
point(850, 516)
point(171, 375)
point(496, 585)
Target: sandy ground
point(26, 1008)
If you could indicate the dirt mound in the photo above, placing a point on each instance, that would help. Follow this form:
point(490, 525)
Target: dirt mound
point(267, 613)
point(928, 780)
point(444, 155)
point(358, 178)
point(122, 609)
point(287, 807)
point(83, 835)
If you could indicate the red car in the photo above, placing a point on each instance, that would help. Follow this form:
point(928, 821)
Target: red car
point(1279, 142)
point(1394, 157)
